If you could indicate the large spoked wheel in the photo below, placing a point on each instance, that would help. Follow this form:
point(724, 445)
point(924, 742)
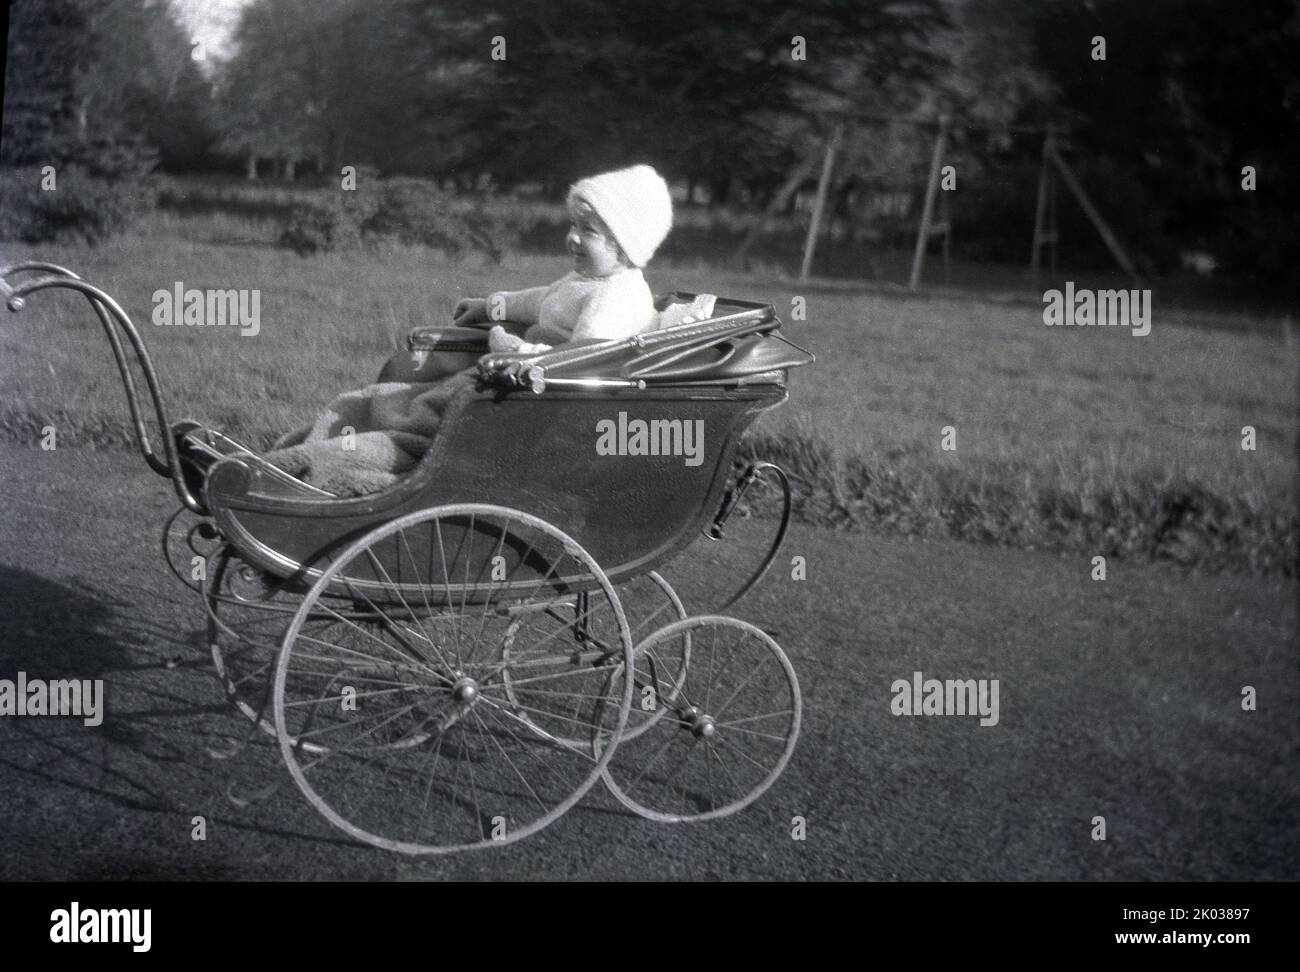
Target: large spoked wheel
point(649, 603)
point(727, 733)
point(423, 747)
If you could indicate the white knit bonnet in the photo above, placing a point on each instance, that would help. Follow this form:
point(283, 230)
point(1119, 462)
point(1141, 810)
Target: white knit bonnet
point(634, 203)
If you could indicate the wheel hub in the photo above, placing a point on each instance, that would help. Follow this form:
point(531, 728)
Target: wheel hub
point(247, 583)
point(700, 723)
point(465, 690)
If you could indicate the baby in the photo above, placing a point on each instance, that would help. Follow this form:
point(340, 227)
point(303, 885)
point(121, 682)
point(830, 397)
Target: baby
point(617, 221)
point(365, 440)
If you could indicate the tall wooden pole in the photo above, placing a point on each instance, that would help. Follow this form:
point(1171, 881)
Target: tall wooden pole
point(1112, 244)
point(778, 202)
point(945, 220)
point(927, 211)
point(1040, 210)
point(823, 185)
point(1053, 237)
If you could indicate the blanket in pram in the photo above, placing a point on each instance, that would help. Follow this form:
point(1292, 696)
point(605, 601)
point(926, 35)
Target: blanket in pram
point(365, 440)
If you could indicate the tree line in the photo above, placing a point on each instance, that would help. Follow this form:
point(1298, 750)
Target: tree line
point(730, 96)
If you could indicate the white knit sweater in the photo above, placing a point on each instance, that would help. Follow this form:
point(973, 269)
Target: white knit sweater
point(575, 307)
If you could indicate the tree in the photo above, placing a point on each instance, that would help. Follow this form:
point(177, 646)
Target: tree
point(520, 93)
point(1189, 93)
point(42, 95)
point(588, 84)
point(327, 82)
point(105, 85)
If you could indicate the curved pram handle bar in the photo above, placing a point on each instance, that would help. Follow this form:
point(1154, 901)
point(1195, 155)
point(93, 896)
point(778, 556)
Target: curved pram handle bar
point(109, 313)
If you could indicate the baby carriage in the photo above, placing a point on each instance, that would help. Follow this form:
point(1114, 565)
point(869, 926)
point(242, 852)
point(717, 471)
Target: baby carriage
point(453, 662)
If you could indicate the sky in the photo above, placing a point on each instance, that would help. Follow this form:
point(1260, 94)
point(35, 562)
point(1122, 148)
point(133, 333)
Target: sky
point(209, 21)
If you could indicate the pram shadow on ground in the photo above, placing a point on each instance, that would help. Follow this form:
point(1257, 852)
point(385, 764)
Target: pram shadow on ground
point(72, 788)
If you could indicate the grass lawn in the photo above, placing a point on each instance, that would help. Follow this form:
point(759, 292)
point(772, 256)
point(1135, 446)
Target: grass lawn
point(1080, 439)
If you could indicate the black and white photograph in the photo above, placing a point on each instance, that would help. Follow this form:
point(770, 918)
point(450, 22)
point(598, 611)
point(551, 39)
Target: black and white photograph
point(623, 441)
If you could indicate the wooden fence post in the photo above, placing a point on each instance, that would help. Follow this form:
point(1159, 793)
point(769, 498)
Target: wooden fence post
point(1112, 244)
point(1040, 210)
point(777, 203)
point(819, 204)
point(927, 211)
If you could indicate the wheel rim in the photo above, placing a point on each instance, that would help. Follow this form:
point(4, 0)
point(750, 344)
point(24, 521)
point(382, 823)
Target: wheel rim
point(435, 755)
point(728, 734)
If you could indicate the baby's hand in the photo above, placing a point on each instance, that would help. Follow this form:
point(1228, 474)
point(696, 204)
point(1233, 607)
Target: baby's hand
point(499, 339)
point(471, 310)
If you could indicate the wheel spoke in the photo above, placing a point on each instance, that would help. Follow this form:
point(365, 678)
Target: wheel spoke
point(372, 637)
point(424, 594)
point(741, 753)
point(345, 725)
point(254, 673)
point(531, 750)
point(522, 779)
point(357, 695)
point(739, 688)
point(541, 712)
point(397, 589)
point(645, 767)
point(468, 535)
point(755, 732)
point(735, 784)
point(487, 599)
point(755, 718)
point(428, 791)
point(516, 682)
point(446, 586)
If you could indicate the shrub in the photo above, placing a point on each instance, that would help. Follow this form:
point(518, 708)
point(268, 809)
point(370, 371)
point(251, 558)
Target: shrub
point(333, 222)
point(417, 211)
point(80, 207)
point(312, 228)
point(414, 211)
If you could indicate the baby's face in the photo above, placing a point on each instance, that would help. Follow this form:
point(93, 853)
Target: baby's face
point(595, 253)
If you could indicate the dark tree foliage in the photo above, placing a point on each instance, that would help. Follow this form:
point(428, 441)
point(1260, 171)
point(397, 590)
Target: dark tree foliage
point(693, 87)
point(328, 83)
point(107, 85)
point(1189, 93)
point(46, 42)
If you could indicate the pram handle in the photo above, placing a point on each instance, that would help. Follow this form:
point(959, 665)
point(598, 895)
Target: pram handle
point(110, 313)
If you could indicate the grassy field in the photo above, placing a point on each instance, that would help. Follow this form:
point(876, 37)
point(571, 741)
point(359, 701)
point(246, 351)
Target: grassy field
point(1086, 440)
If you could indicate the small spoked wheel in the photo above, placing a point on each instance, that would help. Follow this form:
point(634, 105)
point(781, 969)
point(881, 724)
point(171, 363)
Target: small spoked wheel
point(728, 730)
point(466, 701)
point(649, 603)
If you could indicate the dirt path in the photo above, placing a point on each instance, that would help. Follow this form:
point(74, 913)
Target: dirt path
point(1119, 698)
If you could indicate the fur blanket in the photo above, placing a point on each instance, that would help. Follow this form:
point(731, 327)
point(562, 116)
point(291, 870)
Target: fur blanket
point(391, 425)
